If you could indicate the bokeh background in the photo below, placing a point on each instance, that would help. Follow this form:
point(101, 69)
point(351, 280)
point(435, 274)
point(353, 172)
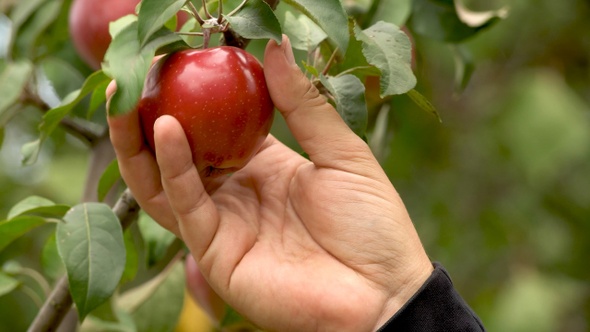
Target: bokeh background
point(499, 190)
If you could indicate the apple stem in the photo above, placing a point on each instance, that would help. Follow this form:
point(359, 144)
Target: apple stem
point(206, 37)
point(220, 12)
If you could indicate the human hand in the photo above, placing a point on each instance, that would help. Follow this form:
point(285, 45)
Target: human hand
point(292, 244)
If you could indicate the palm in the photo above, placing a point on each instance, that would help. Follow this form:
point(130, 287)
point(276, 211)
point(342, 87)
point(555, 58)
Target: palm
point(274, 235)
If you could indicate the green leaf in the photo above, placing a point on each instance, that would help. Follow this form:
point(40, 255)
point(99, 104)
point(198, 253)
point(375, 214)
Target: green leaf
point(303, 33)
point(464, 66)
point(107, 180)
point(349, 96)
point(120, 24)
point(62, 77)
point(13, 80)
point(6, 28)
point(50, 261)
point(7, 284)
point(97, 99)
point(156, 238)
point(256, 20)
point(14, 228)
point(154, 14)
point(53, 117)
point(23, 10)
point(36, 25)
point(392, 11)
point(132, 259)
point(312, 70)
point(388, 48)
point(423, 102)
point(354, 56)
point(439, 20)
point(156, 305)
point(477, 19)
point(329, 15)
point(38, 206)
point(90, 243)
point(128, 64)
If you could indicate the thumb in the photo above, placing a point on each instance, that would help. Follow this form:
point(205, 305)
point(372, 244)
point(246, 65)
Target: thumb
point(315, 124)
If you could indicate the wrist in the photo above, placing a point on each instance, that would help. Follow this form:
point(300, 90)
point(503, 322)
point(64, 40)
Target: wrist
point(406, 288)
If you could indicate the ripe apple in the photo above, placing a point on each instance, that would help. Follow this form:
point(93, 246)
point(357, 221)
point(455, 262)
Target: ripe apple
point(219, 96)
point(89, 25)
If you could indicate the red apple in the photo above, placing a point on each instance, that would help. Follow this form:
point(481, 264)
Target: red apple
point(89, 25)
point(219, 96)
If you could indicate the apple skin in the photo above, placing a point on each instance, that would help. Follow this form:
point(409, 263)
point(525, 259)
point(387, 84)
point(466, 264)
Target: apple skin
point(219, 96)
point(89, 25)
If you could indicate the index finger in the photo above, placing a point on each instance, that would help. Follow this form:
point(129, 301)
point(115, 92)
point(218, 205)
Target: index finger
point(138, 165)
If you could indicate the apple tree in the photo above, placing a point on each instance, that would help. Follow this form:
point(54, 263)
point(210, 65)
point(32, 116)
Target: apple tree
point(102, 264)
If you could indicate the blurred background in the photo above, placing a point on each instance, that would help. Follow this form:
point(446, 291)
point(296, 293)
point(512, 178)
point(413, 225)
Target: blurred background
point(499, 190)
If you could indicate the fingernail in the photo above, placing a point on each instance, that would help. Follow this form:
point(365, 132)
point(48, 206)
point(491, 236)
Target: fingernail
point(288, 50)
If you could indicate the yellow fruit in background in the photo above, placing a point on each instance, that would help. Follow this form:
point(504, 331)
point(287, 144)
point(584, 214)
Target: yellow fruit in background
point(192, 318)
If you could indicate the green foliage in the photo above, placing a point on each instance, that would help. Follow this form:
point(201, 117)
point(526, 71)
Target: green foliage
point(388, 48)
point(349, 96)
point(156, 304)
point(53, 117)
point(305, 34)
point(329, 15)
point(128, 63)
point(256, 20)
point(90, 243)
point(13, 79)
point(7, 284)
point(26, 215)
point(109, 177)
point(153, 15)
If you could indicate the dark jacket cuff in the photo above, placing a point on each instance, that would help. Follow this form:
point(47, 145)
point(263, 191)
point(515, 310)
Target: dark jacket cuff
point(435, 307)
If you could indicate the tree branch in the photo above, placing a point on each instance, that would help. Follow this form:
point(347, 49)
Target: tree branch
point(75, 128)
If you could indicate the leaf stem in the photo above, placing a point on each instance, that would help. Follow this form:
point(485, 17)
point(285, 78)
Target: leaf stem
point(207, 14)
point(330, 62)
point(220, 15)
point(37, 277)
point(352, 70)
point(237, 9)
point(195, 12)
point(32, 295)
point(189, 33)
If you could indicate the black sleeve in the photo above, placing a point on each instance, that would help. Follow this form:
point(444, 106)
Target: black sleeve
point(435, 307)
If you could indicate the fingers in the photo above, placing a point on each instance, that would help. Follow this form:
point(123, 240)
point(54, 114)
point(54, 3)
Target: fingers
point(138, 166)
point(195, 211)
point(316, 125)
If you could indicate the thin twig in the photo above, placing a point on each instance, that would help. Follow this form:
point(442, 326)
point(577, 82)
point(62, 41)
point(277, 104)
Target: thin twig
point(75, 128)
point(195, 12)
